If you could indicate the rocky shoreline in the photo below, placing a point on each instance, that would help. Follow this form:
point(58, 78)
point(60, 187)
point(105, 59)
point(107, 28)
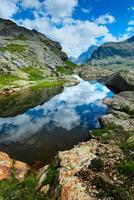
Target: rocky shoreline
point(102, 168)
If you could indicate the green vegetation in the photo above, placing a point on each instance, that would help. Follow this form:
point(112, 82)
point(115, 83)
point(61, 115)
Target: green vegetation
point(106, 134)
point(51, 173)
point(20, 37)
point(127, 168)
point(51, 179)
point(67, 69)
point(97, 164)
point(7, 80)
point(13, 48)
point(47, 83)
point(108, 189)
point(19, 190)
point(34, 73)
point(70, 64)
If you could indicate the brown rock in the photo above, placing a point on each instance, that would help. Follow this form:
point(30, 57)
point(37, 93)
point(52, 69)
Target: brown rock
point(5, 166)
point(21, 169)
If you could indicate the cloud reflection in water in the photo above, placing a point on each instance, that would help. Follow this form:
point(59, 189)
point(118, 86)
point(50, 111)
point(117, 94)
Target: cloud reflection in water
point(77, 106)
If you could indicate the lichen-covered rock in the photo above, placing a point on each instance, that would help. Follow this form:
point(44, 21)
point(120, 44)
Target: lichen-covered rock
point(10, 167)
point(66, 183)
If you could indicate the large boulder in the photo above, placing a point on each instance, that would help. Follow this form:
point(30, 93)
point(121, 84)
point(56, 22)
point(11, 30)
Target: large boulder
point(122, 80)
point(66, 184)
point(121, 111)
point(88, 72)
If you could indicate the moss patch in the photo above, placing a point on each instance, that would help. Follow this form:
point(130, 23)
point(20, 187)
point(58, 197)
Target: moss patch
point(127, 168)
point(34, 73)
point(97, 164)
point(18, 190)
point(109, 190)
point(67, 68)
point(7, 80)
point(13, 48)
point(47, 83)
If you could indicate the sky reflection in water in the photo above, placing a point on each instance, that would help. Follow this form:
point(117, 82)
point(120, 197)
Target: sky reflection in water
point(74, 111)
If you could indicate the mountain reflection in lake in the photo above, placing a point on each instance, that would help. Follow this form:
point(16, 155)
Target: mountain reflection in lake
point(57, 124)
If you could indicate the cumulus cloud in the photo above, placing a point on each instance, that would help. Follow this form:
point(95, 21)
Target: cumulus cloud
point(109, 38)
point(105, 19)
point(75, 36)
point(131, 22)
point(59, 10)
point(86, 10)
point(31, 4)
point(8, 8)
point(54, 18)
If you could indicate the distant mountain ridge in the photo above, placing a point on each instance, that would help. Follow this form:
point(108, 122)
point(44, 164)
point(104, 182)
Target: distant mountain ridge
point(114, 54)
point(85, 56)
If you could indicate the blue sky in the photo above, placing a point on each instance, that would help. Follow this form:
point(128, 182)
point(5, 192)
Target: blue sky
point(76, 24)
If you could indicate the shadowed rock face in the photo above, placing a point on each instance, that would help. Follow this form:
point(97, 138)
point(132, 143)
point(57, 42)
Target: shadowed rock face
point(114, 54)
point(18, 103)
point(121, 111)
point(122, 80)
point(21, 47)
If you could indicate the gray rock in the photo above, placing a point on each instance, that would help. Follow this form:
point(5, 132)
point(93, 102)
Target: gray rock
point(122, 80)
point(20, 47)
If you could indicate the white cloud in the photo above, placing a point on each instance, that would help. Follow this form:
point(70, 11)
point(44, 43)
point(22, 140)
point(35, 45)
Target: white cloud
point(130, 29)
point(131, 22)
point(31, 4)
point(8, 8)
point(110, 38)
point(86, 10)
point(59, 10)
point(105, 19)
point(131, 8)
point(75, 36)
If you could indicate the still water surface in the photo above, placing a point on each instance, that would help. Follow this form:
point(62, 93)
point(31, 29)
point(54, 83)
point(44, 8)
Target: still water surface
point(50, 124)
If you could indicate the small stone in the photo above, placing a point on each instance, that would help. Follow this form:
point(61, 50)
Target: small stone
point(45, 189)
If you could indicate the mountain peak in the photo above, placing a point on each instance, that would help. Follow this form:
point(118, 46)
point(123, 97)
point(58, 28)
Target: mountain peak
point(114, 54)
point(85, 56)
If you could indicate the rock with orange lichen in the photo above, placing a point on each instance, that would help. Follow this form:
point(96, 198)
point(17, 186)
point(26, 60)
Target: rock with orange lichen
point(8, 166)
point(21, 169)
point(62, 176)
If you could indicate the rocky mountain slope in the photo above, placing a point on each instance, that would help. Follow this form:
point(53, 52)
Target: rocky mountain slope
point(114, 55)
point(28, 57)
point(85, 56)
point(20, 48)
